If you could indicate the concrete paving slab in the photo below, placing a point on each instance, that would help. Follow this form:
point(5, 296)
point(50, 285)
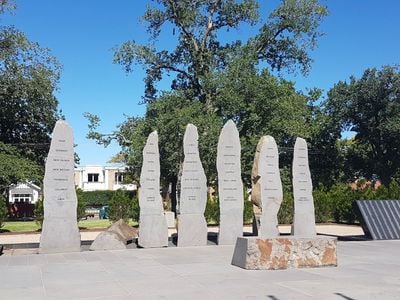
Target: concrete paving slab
point(367, 270)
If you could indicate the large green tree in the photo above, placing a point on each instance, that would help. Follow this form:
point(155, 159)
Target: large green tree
point(199, 28)
point(28, 108)
point(28, 80)
point(370, 107)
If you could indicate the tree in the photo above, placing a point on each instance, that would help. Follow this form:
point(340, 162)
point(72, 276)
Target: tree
point(14, 167)
point(202, 49)
point(370, 106)
point(28, 80)
point(120, 206)
point(3, 210)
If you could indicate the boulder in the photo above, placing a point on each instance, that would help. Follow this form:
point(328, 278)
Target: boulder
point(127, 232)
point(108, 240)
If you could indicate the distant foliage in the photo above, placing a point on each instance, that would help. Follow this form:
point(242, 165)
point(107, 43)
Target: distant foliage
point(39, 212)
point(100, 198)
point(3, 210)
point(120, 206)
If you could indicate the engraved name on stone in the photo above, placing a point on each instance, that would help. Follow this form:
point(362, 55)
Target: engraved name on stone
point(153, 229)
point(304, 217)
point(230, 186)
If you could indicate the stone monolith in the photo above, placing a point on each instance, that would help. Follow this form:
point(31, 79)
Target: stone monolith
point(153, 229)
point(230, 186)
point(304, 216)
point(60, 232)
point(192, 226)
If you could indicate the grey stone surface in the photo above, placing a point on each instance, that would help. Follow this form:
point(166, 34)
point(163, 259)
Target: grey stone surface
point(170, 217)
point(108, 240)
point(192, 230)
point(230, 186)
point(60, 231)
point(153, 229)
point(304, 216)
point(366, 270)
point(266, 194)
point(270, 187)
point(193, 193)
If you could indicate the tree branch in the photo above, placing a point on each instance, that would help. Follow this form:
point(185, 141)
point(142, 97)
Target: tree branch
point(209, 24)
point(187, 33)
point(263, 45)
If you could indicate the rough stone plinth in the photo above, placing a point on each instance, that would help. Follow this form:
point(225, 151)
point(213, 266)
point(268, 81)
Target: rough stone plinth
point(192, 226)
point(230, 186)
point(108, 240)
point(253, 253)
point(153, 229)
point(60, 231)
point(304, 216)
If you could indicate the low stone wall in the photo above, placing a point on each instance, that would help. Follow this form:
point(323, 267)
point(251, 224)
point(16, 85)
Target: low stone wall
point(253, 253)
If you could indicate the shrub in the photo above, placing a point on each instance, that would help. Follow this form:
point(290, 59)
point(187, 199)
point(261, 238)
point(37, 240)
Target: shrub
point(285, 214)
point(81, 206)
point(39, 212)
point(248, 212)
point(135, 210)
point(101, 198)
point(212, 211)
point(3, 210)
point(120, 206)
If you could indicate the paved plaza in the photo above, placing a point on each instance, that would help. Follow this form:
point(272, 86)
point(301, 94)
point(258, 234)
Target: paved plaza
point(367, 270)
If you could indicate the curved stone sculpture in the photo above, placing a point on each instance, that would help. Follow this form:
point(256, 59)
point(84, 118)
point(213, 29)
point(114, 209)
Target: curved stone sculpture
point(153, 229)
point(230, 186)
point(192, 226)
point(304, 216)
point(270, 187)
point(60, 232)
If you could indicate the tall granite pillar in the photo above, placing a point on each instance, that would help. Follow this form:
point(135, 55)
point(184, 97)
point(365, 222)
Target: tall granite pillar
point(192, 226)
point(153, 229)
point(270, 187)
point(230, 186)
point(60, 232)
point(304, 216)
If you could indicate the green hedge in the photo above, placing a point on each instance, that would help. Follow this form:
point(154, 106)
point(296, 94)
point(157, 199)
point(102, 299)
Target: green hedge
point(100, 198)
point(212, 211)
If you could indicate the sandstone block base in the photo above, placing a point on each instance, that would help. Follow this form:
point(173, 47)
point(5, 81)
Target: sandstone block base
point(253, 253)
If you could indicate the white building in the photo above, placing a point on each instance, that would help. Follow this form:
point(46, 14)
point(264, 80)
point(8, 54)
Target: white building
point(24, 193)
point(96, 177)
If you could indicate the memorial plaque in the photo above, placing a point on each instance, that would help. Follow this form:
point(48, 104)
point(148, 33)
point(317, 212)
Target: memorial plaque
point(304, 216)
point(270, 187)
point(230, 186)
point(192, 227)
point(60, 232)
point(153, 229)
point(380, 219)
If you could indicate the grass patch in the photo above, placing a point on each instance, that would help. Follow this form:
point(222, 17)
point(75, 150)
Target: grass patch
point(20, 226)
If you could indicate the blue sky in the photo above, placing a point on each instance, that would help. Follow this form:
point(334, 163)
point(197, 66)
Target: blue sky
point(81, 34)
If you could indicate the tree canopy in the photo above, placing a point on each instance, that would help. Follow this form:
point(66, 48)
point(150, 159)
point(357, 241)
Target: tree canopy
point(199, 28)
point(370, 107)
point(28, 79)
